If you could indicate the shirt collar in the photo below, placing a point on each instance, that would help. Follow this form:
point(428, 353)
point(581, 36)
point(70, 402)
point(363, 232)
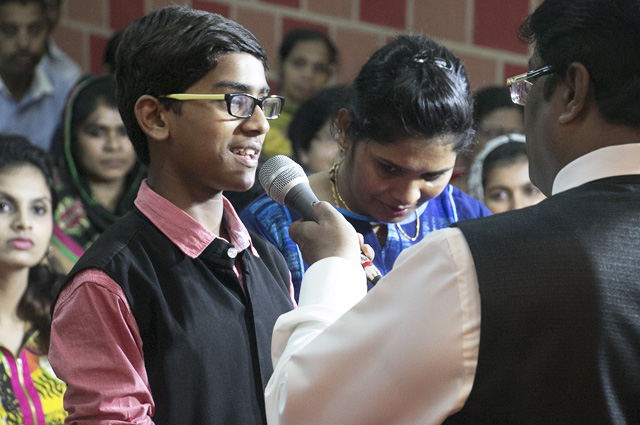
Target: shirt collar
point(183, 230)
point(618, 160)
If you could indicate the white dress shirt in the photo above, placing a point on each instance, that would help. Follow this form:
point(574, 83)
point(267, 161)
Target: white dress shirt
point(406, 353)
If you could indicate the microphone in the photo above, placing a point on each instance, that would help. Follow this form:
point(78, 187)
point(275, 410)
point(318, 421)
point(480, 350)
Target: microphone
point(285, 182)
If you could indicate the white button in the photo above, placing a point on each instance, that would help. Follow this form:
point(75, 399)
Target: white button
point(232, 253)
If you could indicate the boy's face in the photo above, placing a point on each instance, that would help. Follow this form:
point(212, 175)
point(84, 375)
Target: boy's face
point(23, 35)
point(210, 150)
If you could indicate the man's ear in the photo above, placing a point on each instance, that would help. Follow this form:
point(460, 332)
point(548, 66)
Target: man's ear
point(577, 94)
point(150, 114)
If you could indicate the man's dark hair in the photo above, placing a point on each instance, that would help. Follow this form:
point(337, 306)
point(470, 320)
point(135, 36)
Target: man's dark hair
point(488, 99)
point(602, 35)
point(313, 114)
point(169, 50)
point(41, 3)
point(412, 88)
point(299, 35)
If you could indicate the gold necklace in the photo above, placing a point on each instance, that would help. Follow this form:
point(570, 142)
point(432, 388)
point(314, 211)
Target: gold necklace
point(333, 178)
point(412, 239)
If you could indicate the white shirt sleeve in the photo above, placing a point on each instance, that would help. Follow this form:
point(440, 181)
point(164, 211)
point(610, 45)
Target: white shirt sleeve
point(405, 354)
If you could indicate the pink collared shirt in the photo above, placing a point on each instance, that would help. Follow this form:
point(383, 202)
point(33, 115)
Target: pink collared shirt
point(95, 342)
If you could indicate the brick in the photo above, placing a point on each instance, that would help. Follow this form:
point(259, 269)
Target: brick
point(70, 41)
point(221, 9)
point(123, 12)
point(441, 19)
point(481, 71)
point(97, 45)
point(159, 4)
point(355, 48)
point(290, 3)
point(263, 26)
point(383, 12)
point(336, 8)
point(91, 12)
point(496, 24)
point(511, 70)
point(289, 24)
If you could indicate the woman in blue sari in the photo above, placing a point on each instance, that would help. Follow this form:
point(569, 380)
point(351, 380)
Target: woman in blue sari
point(409, 114)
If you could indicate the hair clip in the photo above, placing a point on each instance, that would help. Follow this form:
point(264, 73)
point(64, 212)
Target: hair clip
point(436, 60)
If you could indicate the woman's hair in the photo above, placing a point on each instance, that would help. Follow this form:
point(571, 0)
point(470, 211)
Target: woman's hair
point(411, 88)
point(503, 150)
point(313, 114)
point(34, 305)
point(503, 155)
point(299, 35)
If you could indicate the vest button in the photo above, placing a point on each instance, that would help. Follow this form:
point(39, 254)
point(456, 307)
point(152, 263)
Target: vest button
point(232, 253)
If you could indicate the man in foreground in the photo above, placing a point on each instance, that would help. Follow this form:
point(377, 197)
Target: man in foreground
point(526, 317)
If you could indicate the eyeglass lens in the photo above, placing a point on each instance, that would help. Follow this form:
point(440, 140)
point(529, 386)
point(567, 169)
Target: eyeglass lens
point(242, 106)
point(519, 91)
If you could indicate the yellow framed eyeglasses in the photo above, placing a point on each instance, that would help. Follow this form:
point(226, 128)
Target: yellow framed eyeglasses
point(239, 105)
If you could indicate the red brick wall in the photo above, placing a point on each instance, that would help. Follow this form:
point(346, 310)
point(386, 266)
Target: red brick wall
point(481, 32)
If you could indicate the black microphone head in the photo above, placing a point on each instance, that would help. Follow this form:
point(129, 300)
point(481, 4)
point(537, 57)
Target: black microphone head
point(279, 175)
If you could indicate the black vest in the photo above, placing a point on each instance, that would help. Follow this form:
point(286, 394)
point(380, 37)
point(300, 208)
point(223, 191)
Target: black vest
point(560, 310)
point(206, 343)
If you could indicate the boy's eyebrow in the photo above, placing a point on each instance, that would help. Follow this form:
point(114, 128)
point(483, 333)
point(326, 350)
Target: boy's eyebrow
point(238, 87)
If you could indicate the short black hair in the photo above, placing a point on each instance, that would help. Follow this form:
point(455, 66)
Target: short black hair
point(412, 87)
point(169, 50)
point(299, 35)
point(488, 99)
point(42, 3)
point(313, 114)
point(109, 57)
point(603, 36)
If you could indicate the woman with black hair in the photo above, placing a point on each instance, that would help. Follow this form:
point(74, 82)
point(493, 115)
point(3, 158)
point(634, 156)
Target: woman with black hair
point(408, 116)
point(29, 390)
point(98, 172)
point(499, 175)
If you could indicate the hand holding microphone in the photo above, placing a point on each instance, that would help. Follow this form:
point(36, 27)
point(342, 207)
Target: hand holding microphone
point(286, 183)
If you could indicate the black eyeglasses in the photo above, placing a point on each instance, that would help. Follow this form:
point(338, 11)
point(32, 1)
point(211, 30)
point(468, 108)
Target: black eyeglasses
point(239, 105)
point(520, 85)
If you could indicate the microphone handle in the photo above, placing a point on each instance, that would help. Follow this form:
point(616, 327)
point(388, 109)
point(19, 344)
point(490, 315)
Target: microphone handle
point(301, 198)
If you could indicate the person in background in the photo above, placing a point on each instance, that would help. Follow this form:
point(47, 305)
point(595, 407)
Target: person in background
point(30, 391)
point(499, 175)
point(98, 172)
point(308, 60)
point(525, 317)
point(55, 59)
point(398, 152)
point(109, 56)
point(31, 95)
point(167, 317)
point(312, 130)
point(494, 114)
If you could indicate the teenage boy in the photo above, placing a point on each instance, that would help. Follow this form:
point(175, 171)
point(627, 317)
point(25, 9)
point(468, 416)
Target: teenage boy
point(167, 319)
